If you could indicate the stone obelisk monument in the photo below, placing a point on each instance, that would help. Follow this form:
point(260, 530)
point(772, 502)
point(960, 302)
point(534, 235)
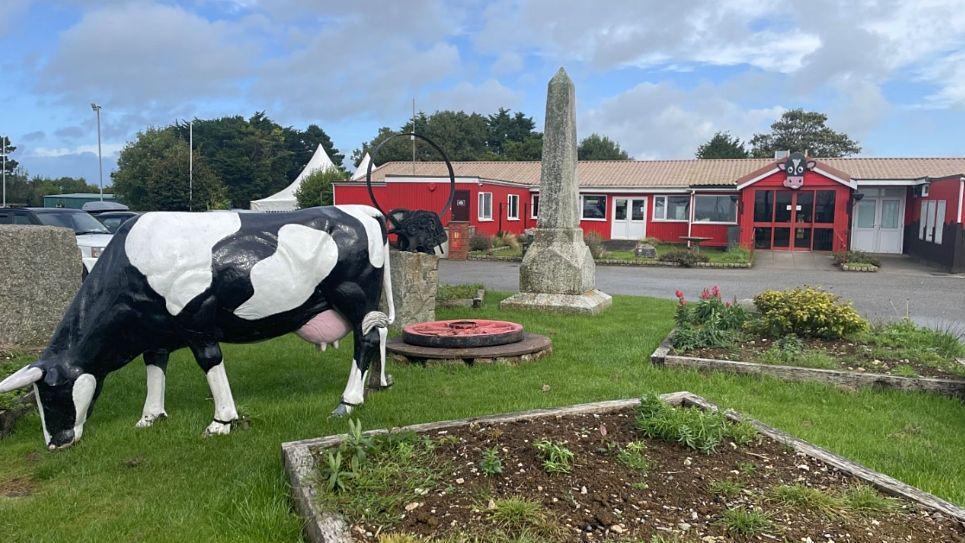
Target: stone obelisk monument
point(558, 272)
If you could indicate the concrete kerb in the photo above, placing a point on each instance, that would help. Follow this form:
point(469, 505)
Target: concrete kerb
point(663, 356)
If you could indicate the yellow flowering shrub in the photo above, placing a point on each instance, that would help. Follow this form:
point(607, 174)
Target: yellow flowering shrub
point(807, 312)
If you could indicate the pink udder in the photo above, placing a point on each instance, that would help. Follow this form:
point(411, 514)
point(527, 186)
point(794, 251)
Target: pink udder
point(326, 327)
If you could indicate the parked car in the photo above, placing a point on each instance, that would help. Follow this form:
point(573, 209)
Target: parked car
point(92, 236)
point(114, 219)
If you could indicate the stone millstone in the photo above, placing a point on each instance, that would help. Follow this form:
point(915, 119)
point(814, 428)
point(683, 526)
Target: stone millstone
point(558, 272)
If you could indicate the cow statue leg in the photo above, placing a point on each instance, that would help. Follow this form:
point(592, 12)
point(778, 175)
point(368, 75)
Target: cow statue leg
point(156, 364)
point(381, 380)
point(369, 342)
point(212, 362)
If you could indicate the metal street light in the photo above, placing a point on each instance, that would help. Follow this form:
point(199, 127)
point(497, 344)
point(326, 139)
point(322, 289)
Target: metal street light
point(4, 170)
point(100, 162)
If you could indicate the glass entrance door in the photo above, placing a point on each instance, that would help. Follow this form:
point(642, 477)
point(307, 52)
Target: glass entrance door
point(789, 220)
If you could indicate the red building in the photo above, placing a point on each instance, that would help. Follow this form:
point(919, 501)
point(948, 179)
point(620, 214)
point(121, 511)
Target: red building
point(879, 205)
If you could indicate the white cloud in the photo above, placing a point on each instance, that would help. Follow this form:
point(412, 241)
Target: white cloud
point(484, 98)
point(142, 55)
point(507, 63)
point(107, 149)
point(657, 120)
point(10, 12)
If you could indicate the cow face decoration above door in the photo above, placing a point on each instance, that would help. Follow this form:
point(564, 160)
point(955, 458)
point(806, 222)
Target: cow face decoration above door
point(795, 166)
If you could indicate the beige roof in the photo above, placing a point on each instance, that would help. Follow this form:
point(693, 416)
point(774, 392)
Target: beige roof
point(673, 173)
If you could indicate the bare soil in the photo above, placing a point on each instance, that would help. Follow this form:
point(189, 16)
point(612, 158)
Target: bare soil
point(604, 500)
point(849, 355)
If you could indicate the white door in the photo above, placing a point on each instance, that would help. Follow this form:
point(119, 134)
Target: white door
point(878, 224)
point(629, 218)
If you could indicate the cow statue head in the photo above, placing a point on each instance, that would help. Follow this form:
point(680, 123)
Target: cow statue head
point(417, 231)
point(65, 398)
point(795, 166)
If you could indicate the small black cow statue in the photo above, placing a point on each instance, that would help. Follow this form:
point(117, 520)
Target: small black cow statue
point(173, 280)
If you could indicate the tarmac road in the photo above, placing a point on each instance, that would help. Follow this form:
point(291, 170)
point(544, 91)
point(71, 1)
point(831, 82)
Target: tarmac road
point(899, 288)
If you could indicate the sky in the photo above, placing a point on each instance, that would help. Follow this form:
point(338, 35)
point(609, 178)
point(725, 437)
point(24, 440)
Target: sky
point(660, 77)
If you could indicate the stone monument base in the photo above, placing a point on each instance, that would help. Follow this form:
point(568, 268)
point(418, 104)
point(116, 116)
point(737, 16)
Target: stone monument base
point(415, 279)
point(588, 303)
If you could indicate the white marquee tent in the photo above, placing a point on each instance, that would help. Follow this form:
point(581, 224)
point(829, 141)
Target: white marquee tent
point(284, 200)
point(362, 168)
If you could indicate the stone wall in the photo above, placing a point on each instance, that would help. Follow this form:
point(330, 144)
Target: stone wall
point(415, 279)
point(40, 271)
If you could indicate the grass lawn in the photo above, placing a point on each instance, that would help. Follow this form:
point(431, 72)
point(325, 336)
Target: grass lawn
point(168, 484)
point(715, 254)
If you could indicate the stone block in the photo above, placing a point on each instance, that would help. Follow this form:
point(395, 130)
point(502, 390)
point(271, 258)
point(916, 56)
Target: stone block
point(587, 303)
point(415, 279)
point(40, 272)
point(558, 262)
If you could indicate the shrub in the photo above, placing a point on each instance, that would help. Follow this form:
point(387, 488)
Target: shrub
point(480, 242)
point(693, 428)
point(595, 242)
point(508, 239)
point(736, 255)
point(855, 257)
point(710, 322)
point(684, 257)
point(491, 464)
point(806, 312)
point(556, 457)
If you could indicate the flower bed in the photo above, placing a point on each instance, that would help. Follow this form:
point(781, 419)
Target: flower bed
point(808, 333)
point(613, 471)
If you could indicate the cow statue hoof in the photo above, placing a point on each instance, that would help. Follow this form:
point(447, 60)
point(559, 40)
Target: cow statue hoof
point(148, 420)
point(217, 429)
point(341, 410)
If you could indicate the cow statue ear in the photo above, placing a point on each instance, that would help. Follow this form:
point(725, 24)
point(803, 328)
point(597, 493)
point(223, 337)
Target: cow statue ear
point(782, 166)
point(812, 164)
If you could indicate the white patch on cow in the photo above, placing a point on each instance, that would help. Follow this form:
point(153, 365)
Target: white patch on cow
point(287, 279)
point(370, 218)
point(154, 403)
point(43, 421)
point(354, 393)
point(224, 403)
point(173, 250)
point(82, 393)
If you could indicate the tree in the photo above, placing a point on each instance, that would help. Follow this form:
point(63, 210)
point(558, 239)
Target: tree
point(152, 174)
point(316, 189)
point(722, 145)
point(302, 145)
point(597, 147)
point(463, 136)
point(11, 164)
point(505, 129)
point(805, 132)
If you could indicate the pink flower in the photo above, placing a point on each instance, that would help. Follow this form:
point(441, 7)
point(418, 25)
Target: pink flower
point(679, 293)
point(715, 291)
point(705, 294)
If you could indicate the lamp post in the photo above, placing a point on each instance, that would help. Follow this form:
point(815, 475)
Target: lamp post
point(100, 162)
point(4, 170)
point(191, 166)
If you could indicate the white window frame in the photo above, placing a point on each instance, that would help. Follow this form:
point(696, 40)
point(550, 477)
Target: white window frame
point(666, 206)
point(922, 213)
point(534, 205)
point(595, 219)
point(480, 197)
point(696, 221)
point(940, 221)
point(509, 207)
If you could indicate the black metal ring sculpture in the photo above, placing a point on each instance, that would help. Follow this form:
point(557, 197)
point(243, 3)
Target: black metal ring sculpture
point(415, 230)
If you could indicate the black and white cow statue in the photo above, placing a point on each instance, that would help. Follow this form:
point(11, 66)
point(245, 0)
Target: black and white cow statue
point(794, 166)
point(173, 280)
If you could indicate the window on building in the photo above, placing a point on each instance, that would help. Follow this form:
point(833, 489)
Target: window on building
point(715, 208)
point(764, 208)
point(512, 207)
point(534, 206)
point(594, 207)
point(671, 208)
point(824, 206)
point(485, 206)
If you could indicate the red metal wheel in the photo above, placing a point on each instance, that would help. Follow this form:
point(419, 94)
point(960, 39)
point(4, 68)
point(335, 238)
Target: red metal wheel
point(462, 334)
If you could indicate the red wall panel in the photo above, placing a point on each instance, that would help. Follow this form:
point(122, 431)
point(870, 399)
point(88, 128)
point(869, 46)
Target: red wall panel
point(941, 189)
